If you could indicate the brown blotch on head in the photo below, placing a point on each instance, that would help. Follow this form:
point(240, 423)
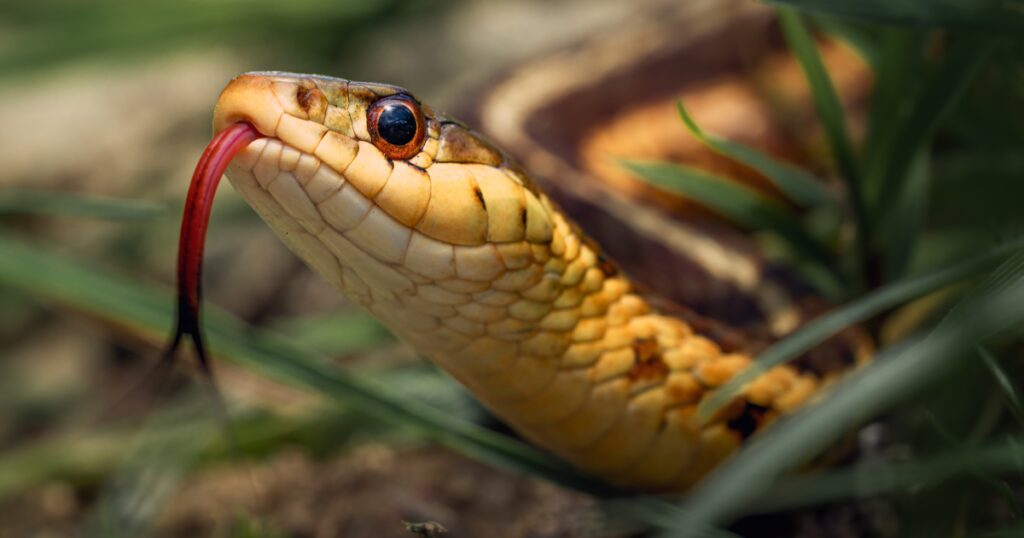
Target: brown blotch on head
point(649, 363)
point(522, 216)
point(457, 144)
point(302, 95)
point(313, 101)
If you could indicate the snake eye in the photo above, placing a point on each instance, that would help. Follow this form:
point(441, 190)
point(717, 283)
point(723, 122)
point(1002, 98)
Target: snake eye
point(396, 126)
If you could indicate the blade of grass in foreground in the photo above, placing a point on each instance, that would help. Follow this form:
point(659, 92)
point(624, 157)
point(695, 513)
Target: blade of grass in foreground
point(872, 479)
point(797, 185)
point(1011, 393)
point(1000, 15)
point(861, 37)
point(941, 92)
point(907, 222)
point(67, 204)
point(148, 311)
point(147, 477)
point(739, 203)
point(830, 113)
point(898, 79)
point(822, 328)
point(1011, 531)
point(336, 333)
point(996, 307)
point(47, 36)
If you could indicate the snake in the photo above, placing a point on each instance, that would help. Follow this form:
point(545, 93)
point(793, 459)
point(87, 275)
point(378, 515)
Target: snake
point(454, 247)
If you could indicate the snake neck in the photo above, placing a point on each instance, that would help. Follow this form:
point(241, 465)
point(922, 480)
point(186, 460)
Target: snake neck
point(562, 347)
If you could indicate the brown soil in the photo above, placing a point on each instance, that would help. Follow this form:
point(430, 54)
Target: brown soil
point(367, 492)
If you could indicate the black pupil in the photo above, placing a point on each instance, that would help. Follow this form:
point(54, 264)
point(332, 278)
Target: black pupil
point(396, 125)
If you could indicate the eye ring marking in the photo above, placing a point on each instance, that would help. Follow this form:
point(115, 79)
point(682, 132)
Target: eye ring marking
point(396, 126)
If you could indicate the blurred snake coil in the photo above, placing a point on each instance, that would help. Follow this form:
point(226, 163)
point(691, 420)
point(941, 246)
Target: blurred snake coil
point(455, 249)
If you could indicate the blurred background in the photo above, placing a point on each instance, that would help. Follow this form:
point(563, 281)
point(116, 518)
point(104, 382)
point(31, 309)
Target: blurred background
point(106, 106)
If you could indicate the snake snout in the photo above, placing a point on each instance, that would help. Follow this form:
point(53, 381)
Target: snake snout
point(248, 98)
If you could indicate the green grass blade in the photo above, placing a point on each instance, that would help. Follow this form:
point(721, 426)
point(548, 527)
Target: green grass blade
point(1003, 16)
point(799, 186)
point(50, 34)
point(638, 515)
point(897, 373)
point(898, 78)
point(871, 479)
point(742, 204)
point(830, 113)
point(336, 333)
point(971, 466)
point(86, 459)
point(820, 329)
point(64, 204)
point(905, 225)
point(823, 93)
point(956, 194)
point(144, 481)
point(1015, 530)
point(149, 311)
point(862, 37)
point(940, 93)
point(1010, 391)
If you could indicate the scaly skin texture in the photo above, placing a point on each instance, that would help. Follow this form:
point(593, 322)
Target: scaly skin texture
point(457, 252)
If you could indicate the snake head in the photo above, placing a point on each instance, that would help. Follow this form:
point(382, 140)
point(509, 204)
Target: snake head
point(374, 189)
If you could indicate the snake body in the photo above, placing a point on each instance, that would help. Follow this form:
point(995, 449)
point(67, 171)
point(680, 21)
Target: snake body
point(456, 250)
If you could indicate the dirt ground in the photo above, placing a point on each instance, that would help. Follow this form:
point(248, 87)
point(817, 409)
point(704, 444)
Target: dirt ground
point(368, 492)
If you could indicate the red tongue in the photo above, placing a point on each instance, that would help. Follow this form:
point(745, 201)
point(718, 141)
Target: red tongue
point(224, 146)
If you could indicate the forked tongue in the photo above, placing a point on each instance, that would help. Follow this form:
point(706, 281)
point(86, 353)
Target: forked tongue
point(215, 159)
